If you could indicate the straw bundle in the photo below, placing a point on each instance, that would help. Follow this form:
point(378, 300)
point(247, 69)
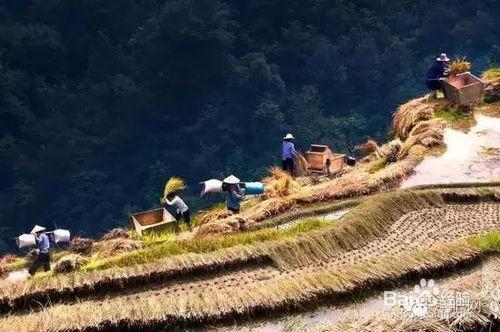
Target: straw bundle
point(70, 263)
point(409, 114)
point(427, 133)
point(8, 258)
point(173, 185)
point(390, 150)
point(368, 148)
point(116, 246)
point(458, 66)
point(116, 233)
point(214, 228)
point(278, 184)
point(217, 212)
point(301, 165)
point(81, 245)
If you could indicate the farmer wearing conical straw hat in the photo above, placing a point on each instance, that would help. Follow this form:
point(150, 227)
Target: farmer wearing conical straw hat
point(43, 246)
point(233, 193)
point(288, 152)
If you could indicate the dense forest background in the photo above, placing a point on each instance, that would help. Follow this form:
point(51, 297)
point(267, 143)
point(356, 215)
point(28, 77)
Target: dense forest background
point(101, 101)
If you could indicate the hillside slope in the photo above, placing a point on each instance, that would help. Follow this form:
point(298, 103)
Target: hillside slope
point(238, 267)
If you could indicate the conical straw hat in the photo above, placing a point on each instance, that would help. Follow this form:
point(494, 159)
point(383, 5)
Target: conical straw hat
point(231, 180)
point(37, 229)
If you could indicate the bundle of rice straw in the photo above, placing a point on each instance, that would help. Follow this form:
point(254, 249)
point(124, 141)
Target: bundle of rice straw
point(70, 263)
point(117, 246)
point(81, 245)
point(301, 166)
point(279, 183)
point(116, 233)
point(459, 66)
point(173, 185)
point(369, 148)
point(409, 114)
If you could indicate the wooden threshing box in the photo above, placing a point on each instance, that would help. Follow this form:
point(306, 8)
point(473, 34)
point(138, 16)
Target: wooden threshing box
point(463, 89)
point(321, 159)
point(157, 220)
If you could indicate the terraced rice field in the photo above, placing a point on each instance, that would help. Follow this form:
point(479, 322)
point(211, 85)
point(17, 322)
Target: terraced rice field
point(414, 233)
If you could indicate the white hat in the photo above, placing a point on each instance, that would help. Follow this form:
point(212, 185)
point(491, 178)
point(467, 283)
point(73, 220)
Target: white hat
point(37, 229)
point(231, 180)
point(443, 57)
point(289, 136)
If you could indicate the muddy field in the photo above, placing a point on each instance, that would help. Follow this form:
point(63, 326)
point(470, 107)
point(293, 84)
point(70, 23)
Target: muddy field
point(469, 157)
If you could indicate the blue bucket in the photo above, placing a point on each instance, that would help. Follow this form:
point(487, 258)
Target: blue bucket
point(253, 188)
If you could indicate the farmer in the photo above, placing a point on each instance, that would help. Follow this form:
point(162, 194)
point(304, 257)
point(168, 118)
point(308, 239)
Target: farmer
point(182, 212)
point(288, 152)
point(437, 73)
point(233, 193)
point(43, 247)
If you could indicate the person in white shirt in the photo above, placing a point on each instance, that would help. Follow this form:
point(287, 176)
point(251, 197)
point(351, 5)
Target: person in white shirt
point(173, 199)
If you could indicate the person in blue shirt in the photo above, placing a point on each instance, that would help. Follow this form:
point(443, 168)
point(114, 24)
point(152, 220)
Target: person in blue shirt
point(43, 247)
point(288, 151)
point(233, 193)
point(438, 71)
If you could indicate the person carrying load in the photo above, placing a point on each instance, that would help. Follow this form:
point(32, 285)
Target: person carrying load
point(43, 246)
point(437, 73)
point(170, 196)
point(233, 193)
point(288, 152)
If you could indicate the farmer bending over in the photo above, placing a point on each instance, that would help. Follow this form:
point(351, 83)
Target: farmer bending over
point(173, 199)
point(43, 247)
point(437, 73)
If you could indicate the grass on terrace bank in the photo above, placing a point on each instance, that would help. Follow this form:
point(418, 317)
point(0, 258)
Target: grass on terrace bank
point(24, 262)
point(202, 245)
point(491, 74)
point(456, 118)
point(488, 243)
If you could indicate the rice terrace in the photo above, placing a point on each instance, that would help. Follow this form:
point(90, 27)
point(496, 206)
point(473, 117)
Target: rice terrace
point(307, 242)
point(257, 166)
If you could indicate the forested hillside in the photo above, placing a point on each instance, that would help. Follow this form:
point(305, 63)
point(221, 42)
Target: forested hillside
point(102, 100)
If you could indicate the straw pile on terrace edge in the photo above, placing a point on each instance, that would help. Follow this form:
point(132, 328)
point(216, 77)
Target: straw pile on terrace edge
point(410, 114)
point(279, 183)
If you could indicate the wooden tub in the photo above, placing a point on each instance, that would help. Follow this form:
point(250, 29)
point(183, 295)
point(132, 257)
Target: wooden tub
point(151, 221)
point(463, 89)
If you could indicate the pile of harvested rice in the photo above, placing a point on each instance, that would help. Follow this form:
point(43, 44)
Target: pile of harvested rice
point(301, 165)
point(116, 246)
point(81, 245)
point(279, 183)
point(409, 114)
point(70, 263)
point(425, 133)
point(116, 233)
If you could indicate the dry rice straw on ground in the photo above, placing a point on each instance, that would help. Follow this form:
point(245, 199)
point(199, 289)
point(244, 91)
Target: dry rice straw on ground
point(280, 294)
